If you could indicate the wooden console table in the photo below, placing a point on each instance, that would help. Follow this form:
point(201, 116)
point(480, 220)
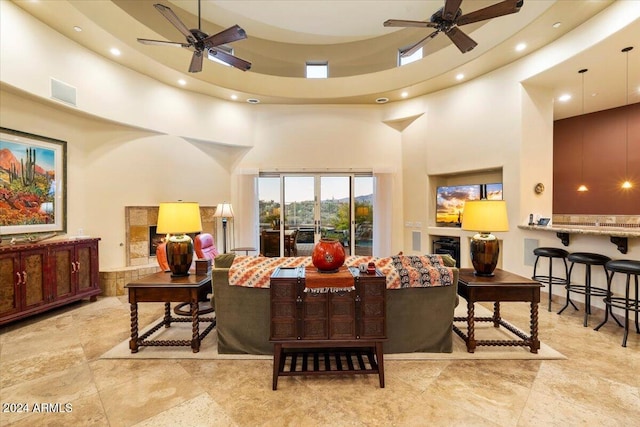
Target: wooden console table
point(327, 333)
point(161, 287)
point(503, 286)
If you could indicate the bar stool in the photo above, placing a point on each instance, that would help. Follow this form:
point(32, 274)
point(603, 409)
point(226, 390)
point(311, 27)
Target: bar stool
point(550, 279)
point(588, 259)
point(628, 303)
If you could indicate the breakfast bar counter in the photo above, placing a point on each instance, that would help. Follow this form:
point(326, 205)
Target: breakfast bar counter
point(618, 235)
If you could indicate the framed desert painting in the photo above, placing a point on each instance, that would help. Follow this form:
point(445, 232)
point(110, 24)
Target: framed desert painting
point(33, 174)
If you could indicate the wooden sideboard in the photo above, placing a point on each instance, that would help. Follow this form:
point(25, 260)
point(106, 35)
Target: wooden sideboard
point(330, 332)
point(40, 276)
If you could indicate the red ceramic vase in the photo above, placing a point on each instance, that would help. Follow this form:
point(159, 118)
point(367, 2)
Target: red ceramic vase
point(328, 255)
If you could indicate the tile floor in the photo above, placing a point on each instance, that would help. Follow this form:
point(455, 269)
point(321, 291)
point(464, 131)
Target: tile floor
point(55, 358)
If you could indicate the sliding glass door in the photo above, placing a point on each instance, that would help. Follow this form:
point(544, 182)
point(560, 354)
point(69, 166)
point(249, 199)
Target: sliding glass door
point(297, 210)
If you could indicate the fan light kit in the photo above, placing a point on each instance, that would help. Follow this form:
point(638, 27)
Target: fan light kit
point(200, 42)
point(449, 18)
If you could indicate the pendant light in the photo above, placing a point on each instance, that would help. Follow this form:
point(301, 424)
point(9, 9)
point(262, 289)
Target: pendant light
point(582, 187)
point(626, 185)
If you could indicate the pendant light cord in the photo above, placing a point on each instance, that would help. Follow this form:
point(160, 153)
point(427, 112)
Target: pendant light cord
point(626, 103)
point(582, 121)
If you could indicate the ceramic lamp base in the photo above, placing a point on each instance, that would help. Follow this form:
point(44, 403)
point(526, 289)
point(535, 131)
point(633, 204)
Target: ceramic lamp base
point(484, 248)
point(179, 254)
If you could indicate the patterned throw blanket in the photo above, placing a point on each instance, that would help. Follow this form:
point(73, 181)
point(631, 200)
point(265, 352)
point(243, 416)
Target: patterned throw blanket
point(401, 271)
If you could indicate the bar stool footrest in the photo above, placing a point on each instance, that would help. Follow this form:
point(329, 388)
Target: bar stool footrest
point(554, 280)
point(591, 290)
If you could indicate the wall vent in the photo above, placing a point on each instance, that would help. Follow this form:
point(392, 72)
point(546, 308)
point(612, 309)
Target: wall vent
point(529, 246)
point(63, 92)
point(416, 238)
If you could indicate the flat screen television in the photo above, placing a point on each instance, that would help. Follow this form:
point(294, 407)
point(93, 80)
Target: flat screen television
point(492, 191)
point(450, 203)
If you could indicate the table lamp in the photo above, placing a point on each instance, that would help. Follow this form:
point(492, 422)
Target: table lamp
point(224, 211)
point(485, 216)
point(177, 219)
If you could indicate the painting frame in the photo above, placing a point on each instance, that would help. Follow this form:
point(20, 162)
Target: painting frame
point(33, 184)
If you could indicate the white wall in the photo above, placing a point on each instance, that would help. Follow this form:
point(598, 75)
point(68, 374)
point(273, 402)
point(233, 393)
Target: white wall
point(110, 166)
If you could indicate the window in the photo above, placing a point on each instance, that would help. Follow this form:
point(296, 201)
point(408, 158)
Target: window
point(314, 206)
point(317, 69)
point(409, 59)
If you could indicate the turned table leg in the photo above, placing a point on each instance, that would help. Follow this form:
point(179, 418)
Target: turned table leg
point(133, 342)
point(535, 343)
point(195, 327)
point(167, 314)
point(471, 339)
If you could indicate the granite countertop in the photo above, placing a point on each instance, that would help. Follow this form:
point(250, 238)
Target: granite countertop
point(578, 229)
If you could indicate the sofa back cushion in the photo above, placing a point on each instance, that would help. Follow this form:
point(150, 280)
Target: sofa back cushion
point(223, 260)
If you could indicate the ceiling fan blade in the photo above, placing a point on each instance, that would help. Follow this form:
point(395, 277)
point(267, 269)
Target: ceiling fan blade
point(414, 48)
point(196, 62)
point(503, 8)
point(234, 61)
point(405, 23)
point(163, 43)
point(461, 40)
point(229, 35)
point(450, 10)
point(173, 18)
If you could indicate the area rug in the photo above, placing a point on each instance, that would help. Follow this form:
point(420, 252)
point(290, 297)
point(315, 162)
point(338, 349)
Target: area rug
point(209, 346)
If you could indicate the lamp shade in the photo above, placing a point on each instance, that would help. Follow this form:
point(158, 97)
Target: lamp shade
point(485, 215)
point(224, 210)
point(179, 218)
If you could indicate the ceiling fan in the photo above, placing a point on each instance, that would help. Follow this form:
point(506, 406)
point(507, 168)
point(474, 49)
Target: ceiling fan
point(202, 43)
point(447, 20)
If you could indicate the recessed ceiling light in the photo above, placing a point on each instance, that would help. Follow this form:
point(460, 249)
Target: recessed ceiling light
point(182, 82)
point(77, 29)
point(520, 47)
point(557, 24)
point(382, 100)
point(114, 51)
point(459, 76)
point(234, 97)
point(253, 101)
point(564, 98)
point(404, 94)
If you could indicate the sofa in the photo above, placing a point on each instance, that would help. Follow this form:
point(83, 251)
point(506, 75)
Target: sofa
point(419, 319)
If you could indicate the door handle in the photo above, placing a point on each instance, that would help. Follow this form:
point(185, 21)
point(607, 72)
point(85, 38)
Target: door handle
point(19, 278)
